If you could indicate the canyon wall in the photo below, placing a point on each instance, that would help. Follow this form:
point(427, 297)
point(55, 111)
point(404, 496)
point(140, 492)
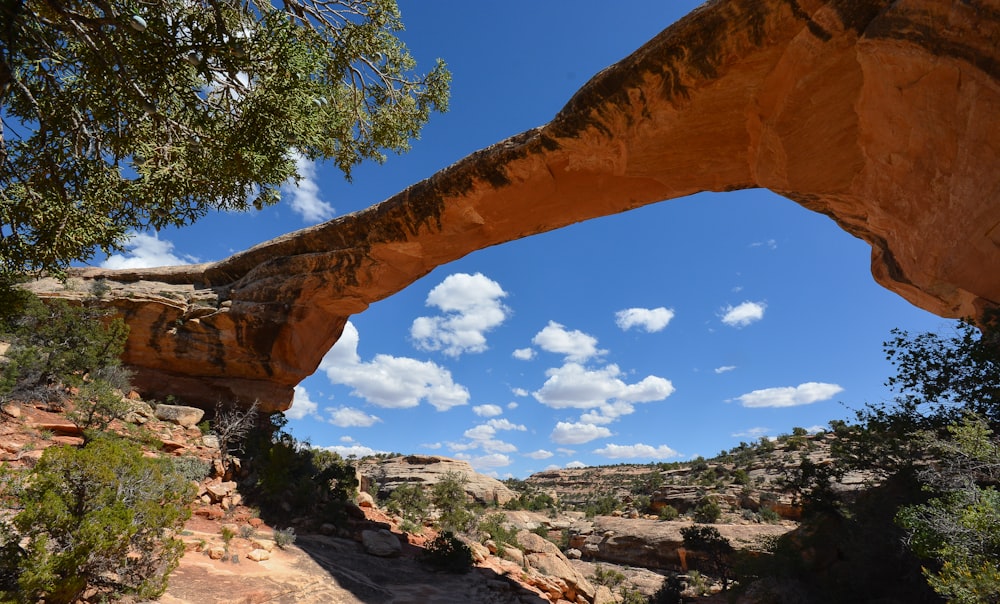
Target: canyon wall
point(883, 115)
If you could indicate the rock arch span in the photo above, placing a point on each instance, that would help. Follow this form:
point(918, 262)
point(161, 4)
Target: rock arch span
point(883, 115)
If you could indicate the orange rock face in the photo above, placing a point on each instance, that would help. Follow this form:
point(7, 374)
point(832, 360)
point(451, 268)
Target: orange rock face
point(882, 115)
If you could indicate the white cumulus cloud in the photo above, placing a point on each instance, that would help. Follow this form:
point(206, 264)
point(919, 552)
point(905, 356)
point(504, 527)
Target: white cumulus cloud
point(146, 251)
point(574, 464)
point(305, 194)
point(575, 386)
point(486, 462)
point(487, 410)
point(388, 381)
point(471, 306)
point(566, 433)
point(743, 314)
point(540, 454)
point(649, 320)
point(573, 344)
point(349, 417)
point(614, 451)
point(790, 396)
point(302, 405)
point(523, 354)
point(725, 368)
point(355, 450)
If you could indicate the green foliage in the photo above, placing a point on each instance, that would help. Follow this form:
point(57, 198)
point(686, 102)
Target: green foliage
point(293, 477)
point(448, 496)
point(960, 528)
point(125, 116)
point(668, 512)
point(669, 592)
point(496, 527)
point(448, 553)
point(707, 511)
point(630, 595)
point(409, 501)
point(607, 576)
point(96, 405)
point(602, 505)
point(95, 517)
point(716, 548)
point(54, 344)
point(283, 537)
point(768, 515)
point(191, 468)
point(529, 498)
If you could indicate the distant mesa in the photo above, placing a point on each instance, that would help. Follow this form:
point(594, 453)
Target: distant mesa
point(881, 115)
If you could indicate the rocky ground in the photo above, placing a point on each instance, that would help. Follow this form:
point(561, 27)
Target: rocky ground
point(232, 556)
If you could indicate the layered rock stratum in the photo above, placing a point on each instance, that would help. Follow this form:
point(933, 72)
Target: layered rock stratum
point(881, 114)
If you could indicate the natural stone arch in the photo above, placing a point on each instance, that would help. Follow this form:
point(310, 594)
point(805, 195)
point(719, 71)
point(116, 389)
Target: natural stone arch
point(882, 115)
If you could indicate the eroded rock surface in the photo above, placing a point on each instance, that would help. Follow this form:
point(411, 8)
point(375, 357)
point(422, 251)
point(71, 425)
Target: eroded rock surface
point(426, 471)
point(880, 114)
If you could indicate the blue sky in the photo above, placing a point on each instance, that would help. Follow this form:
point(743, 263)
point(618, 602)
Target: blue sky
point(675, 330)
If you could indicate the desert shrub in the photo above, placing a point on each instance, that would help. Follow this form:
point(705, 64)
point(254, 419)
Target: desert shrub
point(191, 467)
point(232, 425)
point(495, 525)
point(959, 528)
point(768, 515)
point(94, 518)
point(669, 592)
point(409, 501)
point(629, 595)
point(283, 537)
point(288, 473)
point(707, 511)
point(448, 553)
point(608, 577)
point(96, 404)
point(448, 496)
point(668, 512)
point(601, 505)
point(55, 344)
point(698, 465)
point(715, 547)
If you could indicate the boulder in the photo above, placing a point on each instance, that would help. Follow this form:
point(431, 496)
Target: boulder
point(259, 555)
point(181, 415)
point(382, 543)
point(543, 556)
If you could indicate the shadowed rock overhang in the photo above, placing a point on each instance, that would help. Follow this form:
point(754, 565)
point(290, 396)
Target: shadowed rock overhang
point(883, 115)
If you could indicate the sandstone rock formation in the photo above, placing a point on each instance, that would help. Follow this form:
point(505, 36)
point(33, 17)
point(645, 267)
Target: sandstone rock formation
point(880, 114)
point(428, 470)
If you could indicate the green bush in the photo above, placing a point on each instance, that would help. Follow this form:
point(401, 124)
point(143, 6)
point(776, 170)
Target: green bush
point(283, 537)
point(448, 553)
point(715, 547)
point(707, 511)
point(606, 576)
point(191, 467)
point(409, 501)
point(54, 344)
point(495, 525)
point(448, 496)
point(95, 518)
point(668, 512)
point(768, 515)
point(312, 482)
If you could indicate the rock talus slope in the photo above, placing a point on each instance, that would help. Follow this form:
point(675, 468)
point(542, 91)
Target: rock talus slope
point(881, 114)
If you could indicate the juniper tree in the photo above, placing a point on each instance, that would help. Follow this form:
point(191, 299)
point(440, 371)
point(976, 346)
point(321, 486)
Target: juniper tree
point(122, 115)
